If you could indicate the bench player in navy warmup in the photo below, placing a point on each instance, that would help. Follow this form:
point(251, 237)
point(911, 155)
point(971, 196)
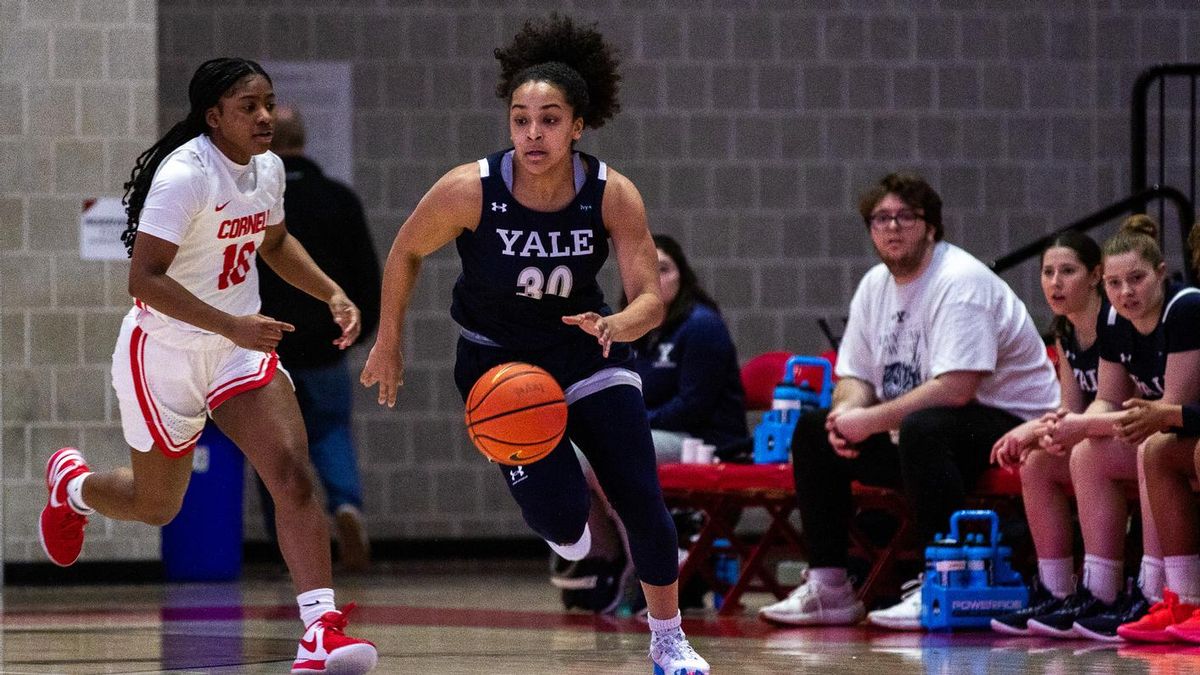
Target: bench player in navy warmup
point(532, 226)
point(203, 202)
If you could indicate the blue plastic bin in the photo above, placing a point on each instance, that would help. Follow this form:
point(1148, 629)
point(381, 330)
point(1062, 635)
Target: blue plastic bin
point(204, 542)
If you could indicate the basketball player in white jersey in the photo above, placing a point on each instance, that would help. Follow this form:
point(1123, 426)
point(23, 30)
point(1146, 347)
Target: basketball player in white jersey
point(202, 203)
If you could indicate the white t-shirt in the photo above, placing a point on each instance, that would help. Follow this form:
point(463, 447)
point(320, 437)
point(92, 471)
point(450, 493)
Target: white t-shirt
point(957, 316)
point(217, 212)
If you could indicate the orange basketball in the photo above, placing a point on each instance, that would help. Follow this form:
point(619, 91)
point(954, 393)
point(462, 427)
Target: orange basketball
point(516, 413)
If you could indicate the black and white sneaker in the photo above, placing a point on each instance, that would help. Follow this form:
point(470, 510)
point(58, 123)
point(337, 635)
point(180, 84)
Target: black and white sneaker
point(1041, 603)
point(1061, 623)
point(1130, 607)
point(592, 584)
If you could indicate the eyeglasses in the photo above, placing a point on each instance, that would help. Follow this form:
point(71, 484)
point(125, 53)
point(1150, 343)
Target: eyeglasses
point(903, 219)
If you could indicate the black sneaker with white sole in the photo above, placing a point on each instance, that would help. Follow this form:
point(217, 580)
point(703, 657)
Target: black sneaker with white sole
point(1041, 603)
point(1061, 623)
point(1130, 607)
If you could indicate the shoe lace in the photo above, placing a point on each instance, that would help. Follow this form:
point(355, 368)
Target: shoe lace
point(673, 645)
point(1169, 602)
point(336, 621)
point(70, 527)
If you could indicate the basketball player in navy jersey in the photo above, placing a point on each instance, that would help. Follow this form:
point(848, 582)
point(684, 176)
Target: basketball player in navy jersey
point(532, 226)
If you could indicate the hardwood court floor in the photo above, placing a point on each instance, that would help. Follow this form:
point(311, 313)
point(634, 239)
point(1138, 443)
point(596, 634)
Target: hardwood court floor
point(494, 617)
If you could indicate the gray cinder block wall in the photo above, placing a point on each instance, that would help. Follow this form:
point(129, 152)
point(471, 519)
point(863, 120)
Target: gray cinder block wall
point(78, 101)
point(749, 126)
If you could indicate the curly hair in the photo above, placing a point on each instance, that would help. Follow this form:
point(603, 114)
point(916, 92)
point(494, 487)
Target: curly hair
point(573, 58)
point(209, 83)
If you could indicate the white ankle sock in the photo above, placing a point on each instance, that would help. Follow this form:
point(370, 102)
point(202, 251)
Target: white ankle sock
point(1102, 577)
point(75, 495)
point(1152, 578)
point(1057, 575)
point(1183, 577)
point(834, 577)
point(576, 551)
point(314, 603)
point(665, 625)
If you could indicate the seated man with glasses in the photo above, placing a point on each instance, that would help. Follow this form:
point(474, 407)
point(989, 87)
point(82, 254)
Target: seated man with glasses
point(940, 359)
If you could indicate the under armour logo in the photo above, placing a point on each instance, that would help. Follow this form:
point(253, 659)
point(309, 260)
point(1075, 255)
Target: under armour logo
point(502, 207)
point(900, 316)
point(1126, 358)
point(517, 475)
point(664, 355)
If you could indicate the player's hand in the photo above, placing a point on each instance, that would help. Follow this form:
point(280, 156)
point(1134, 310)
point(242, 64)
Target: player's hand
point(1143, 418)
point(1064, 433)
point(1007, 451)
point(257, 332)
point(385, 367)
point(347, 317)
point(854, 425)
point(593, 324)
point(844, 448)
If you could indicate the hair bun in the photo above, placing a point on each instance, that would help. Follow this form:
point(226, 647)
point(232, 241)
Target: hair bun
point(1140, 223)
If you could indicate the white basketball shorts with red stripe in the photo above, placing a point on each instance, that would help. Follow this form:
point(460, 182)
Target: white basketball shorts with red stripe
point(168, 379)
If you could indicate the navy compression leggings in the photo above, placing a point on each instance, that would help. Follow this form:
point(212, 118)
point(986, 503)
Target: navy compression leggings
point(610, 428)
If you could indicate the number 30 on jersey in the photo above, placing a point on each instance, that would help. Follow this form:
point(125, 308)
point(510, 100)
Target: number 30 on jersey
point(534, 284)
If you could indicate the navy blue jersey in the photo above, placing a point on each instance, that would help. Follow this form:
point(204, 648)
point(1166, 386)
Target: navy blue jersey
point(1145, 356)
point(523, 270)
point(1085, 362)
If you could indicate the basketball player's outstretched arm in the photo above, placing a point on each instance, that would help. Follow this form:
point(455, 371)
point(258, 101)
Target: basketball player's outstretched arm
point(625, 217)
point(451, 205)
point(148, 282)
point(288, 258)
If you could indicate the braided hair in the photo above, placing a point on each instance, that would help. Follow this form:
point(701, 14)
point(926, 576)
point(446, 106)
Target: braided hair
point(209, 83)
point(573, 58)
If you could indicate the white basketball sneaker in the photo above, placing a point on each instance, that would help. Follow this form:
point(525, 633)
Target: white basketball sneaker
point(904, 615)
point(813, 603)
point(672, 655)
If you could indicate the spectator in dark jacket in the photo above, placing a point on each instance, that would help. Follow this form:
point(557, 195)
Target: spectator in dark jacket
point(327, 218)
point(690, 375)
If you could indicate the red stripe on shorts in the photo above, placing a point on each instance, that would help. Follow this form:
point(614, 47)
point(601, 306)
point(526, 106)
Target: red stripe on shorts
point(137, 350)
point(238, 385)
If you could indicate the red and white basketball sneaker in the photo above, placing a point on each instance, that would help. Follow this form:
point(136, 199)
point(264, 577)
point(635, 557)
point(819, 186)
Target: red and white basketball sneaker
point(325, 648)
point(60, 528)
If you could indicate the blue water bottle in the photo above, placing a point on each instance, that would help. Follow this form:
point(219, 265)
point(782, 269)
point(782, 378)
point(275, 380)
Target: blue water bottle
point(979, 562)
point(725, 568)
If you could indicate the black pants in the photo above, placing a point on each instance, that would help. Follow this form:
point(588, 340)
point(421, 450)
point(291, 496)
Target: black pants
point(942, 452)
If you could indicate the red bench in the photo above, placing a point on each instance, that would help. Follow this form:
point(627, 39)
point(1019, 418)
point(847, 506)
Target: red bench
point(721, 492)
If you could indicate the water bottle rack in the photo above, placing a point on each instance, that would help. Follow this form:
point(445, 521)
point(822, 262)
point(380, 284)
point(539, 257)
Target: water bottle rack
point(968, 581)
point(773, 435)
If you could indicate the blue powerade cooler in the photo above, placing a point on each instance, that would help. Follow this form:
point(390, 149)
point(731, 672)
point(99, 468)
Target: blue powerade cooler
point(968, 581)
point(204, 542)
point(773, 435)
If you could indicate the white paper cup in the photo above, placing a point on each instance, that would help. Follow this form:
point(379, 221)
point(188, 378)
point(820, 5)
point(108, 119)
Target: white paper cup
point(704, 454)
point(690, 447)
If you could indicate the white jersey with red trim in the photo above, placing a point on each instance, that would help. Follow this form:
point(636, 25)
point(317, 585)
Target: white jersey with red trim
point(217, 212)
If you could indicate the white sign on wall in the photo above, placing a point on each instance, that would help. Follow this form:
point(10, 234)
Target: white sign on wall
point(321, 91)
point(100, 227)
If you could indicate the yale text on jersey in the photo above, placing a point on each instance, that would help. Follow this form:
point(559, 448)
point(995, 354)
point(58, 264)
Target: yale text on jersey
point(546, 245)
